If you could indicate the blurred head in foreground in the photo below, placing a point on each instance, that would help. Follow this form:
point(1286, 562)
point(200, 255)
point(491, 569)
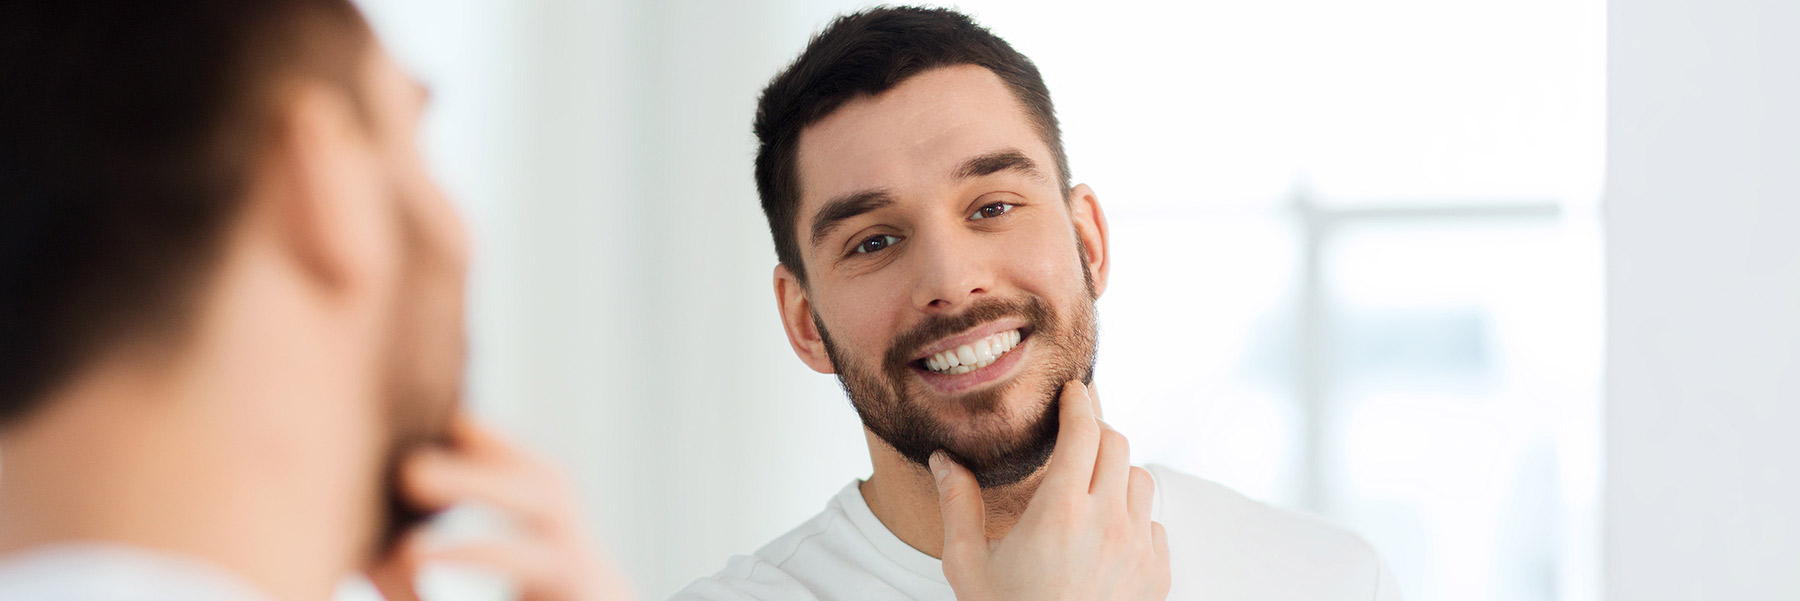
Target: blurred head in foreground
point(230, 296)
point(932, 252)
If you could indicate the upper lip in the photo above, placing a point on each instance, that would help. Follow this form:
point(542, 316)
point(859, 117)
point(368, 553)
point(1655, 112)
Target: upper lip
point(971, 335)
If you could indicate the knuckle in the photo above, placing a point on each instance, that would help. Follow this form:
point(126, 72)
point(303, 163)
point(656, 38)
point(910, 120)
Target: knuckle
point(1065, 511)
point(1117, 537)
point(1141, 482)
point(951, 495)
point(1086, 436)
point(1084, 431)
point(1113, 438)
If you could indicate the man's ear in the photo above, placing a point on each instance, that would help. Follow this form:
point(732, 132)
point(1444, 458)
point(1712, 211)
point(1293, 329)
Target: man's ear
point(1090, 225)
point(322, 185)
point(797, 320)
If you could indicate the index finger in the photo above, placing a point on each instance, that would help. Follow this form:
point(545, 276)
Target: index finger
point(469, 435)
point(1077, 442)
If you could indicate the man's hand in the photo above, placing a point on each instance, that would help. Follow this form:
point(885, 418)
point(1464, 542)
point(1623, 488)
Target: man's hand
point(1086, 534)
point(548, 558)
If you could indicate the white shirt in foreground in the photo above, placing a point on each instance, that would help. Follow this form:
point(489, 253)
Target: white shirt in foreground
point(100, 572)
point(1222, 547)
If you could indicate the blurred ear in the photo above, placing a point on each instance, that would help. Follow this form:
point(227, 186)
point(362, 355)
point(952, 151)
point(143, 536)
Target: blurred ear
point(1090, 225)
point(797, 320)
point(323, 188)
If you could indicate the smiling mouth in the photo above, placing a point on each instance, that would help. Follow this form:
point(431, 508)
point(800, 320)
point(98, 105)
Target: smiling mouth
point(974, 355)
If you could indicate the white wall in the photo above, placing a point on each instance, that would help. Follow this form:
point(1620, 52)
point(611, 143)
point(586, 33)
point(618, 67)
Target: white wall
point(1703, 217)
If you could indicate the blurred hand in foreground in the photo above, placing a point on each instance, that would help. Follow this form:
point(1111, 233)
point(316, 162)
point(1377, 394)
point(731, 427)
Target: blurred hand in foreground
point(547, 556)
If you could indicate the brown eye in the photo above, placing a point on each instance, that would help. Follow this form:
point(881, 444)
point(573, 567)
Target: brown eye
point(876, 243)
point(990, 211)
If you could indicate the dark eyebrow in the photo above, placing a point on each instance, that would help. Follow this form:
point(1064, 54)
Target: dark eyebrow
point(1010, 159)
point(839, 209)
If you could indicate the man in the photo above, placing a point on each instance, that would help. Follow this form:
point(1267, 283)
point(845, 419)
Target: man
point(231, 317)
point(934, 256)
point(231, 322)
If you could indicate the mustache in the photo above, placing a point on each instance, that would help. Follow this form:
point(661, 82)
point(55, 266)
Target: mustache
point(1031, 308)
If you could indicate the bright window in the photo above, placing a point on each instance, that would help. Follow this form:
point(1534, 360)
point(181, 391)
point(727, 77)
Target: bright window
point(1356, 268)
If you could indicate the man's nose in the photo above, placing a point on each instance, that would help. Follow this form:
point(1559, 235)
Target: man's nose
point(953, 274)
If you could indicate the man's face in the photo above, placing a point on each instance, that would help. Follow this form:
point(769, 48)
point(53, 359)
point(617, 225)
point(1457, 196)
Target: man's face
point(950, 284)
point(425, 343)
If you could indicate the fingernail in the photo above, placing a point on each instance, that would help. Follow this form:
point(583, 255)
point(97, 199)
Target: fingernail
point(939, 468)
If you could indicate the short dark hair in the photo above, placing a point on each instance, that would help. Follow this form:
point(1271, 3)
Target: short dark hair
point(127, 135)
point(864, 54)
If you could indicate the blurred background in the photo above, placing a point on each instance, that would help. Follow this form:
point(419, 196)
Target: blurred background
point(1358, 262)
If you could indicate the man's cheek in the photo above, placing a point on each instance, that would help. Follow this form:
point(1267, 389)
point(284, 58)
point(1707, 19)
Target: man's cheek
point(870, 322)
point(1043, 265)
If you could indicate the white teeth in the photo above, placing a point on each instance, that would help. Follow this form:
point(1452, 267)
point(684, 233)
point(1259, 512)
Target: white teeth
point(975, 355)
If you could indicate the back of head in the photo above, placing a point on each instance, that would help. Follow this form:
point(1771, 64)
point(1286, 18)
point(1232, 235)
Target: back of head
point(128, 130)
point(864, 54)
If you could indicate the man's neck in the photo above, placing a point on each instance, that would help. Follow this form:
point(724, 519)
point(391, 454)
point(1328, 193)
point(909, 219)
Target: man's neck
point(903, 495)
point(191, 462)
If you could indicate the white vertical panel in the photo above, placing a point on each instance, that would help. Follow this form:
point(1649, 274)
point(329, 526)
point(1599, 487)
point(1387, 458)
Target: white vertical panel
point(1702, 210)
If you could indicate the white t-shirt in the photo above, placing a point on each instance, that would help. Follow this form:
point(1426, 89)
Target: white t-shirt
point(1222, 547)
point(105, 572)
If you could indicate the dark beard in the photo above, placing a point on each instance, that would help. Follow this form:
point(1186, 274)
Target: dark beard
point(419, 409)
point(997, 457)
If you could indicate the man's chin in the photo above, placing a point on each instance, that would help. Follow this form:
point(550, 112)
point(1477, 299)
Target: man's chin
point(999, 468)
point(1001, 457)
point(1003, 434)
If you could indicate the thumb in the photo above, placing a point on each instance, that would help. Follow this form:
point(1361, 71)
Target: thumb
point(959, 498)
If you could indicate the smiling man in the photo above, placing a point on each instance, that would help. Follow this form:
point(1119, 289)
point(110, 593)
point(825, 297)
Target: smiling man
point(936, 258)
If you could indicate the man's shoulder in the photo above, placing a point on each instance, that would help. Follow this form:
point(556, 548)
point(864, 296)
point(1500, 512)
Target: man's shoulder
point(1200, 506)
point(1219, 530)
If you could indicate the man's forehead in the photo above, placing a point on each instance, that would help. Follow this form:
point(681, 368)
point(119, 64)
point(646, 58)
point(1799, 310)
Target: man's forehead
point(915, 134)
